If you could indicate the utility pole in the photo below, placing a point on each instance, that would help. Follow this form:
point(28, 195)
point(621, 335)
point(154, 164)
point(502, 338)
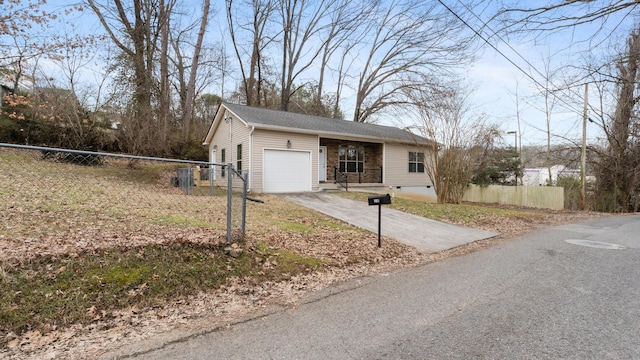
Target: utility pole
point(583, 158)
point(515, 144)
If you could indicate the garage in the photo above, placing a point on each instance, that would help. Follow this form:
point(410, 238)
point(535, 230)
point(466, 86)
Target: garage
point(286, 171)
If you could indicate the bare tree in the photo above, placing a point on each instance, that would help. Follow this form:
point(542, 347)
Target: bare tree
point(27, 36)
point(223, 67)
point(460, 141)
point(619, 164)
point(519, 131)
point(135, 31)
point(407, 39)
point(301, 21)
point(546, 91)
point(187, 111)
point(66, 101)
point(205, 108)
point(615, 162)
point(164, 102)
point(154, 45)
point(522, 16)
point(342, 71)
point(254, 46)
point(344, 32)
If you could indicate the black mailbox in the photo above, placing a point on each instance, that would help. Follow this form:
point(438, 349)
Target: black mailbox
point(380, 199)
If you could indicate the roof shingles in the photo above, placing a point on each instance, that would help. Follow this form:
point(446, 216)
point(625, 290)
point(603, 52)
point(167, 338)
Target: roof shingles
point(260, 117)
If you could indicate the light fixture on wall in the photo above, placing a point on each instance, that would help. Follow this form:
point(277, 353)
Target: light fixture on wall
point(215, 146)
point(288, 144)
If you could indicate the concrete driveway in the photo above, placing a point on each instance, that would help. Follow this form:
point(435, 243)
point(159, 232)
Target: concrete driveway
point(424, 234)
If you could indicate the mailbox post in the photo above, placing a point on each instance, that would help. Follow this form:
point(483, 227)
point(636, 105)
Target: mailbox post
point(379, 200)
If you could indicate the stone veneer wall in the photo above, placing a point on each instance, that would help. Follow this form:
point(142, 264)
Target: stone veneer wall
point(372, 160)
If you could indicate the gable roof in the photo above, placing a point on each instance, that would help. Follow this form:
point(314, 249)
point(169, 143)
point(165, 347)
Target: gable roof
point(262, 118)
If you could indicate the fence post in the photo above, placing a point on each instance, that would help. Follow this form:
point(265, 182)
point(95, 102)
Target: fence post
point(229, 200)
point(190, 180)
point(245, 177)
point(212, 174)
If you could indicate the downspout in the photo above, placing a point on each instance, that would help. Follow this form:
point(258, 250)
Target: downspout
point(384, 163)
point(250, 184)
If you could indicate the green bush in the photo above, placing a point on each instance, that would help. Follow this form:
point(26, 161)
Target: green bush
point(72, 158)
point(571, 186)
point(604, 201)
point(30, 131)
point(190, 150)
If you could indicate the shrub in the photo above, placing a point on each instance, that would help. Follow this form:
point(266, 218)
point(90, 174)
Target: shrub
point(73, 158)
point(572, 187)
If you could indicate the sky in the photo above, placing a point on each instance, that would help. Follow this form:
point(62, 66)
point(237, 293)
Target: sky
point(519, 62)
point(495, 79)
point(505, 93)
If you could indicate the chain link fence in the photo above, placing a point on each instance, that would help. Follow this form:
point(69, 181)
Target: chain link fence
point(70, 198)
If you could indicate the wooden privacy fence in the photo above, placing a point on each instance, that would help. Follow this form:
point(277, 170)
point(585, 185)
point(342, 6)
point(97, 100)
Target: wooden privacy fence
point(547, 197)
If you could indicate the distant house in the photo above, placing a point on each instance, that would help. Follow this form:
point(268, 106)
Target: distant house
point(289, 152)
point(56, 94)
point(57, 100)
point(4, 90)
point(540, 176)
point(8, 84)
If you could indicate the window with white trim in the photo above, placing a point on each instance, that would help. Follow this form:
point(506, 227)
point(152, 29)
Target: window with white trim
point(416, 162)
point(223, 159)
point(239, 157)
point(351, 159)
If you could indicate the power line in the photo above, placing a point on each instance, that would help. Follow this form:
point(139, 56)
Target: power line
point(495, 34)
point(527, 74)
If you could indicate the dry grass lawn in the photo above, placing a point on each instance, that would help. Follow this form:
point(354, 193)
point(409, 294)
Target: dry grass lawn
point(125, 255)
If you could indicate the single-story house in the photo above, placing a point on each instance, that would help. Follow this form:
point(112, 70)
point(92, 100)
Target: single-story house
point(289, 152)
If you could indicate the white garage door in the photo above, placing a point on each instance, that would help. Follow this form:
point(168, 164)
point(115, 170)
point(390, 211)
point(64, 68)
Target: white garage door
point(286, 171)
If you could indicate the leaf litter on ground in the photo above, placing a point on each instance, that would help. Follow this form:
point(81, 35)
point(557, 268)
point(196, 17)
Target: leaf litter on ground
point(56, 210)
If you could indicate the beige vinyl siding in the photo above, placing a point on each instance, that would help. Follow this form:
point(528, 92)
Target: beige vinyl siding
point(396, 166)
point(222, 139)
point(268, 139)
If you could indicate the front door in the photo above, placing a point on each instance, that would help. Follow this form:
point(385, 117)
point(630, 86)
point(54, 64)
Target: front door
point(322, 164)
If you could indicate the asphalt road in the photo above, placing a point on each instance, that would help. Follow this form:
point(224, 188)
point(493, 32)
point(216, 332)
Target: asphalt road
point(534, 297)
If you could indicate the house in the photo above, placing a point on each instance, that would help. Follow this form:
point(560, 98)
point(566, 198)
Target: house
point(540, 176)
point(8, 82)
point(4, 90)
point(289, 152)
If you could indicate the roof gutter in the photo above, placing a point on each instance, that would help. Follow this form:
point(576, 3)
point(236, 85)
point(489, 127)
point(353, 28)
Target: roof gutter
point(318, 132)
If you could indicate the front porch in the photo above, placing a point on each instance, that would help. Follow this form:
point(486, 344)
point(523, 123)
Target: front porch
point(366, 187)
point(352, 162)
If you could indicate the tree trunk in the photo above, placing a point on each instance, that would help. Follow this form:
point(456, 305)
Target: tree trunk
point(165, 96)
point(251, 77)
point(623, 187)
point(191, 86)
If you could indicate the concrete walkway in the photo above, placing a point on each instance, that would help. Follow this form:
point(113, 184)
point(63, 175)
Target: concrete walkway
point(424, 234)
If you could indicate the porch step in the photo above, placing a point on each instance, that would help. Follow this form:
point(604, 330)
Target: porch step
point(331, 187)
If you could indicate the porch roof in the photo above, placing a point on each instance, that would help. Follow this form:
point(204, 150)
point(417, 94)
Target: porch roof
point(288, 121)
